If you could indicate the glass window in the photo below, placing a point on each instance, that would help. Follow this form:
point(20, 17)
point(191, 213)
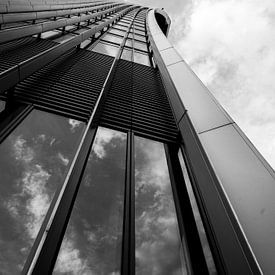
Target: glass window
point(139, 32)
point(123, 23)
point(34, 160)
point(105, 48)
point(141, 58)
point(140, 38)
point(92, 241)
point(112, 38)
point(140, 46)
point(139, 28)
point(130, 35)
point(115, 31)
point(204, 242)
point(126, 55)
point(129, 43)
point(158, 243)
point(120, 27)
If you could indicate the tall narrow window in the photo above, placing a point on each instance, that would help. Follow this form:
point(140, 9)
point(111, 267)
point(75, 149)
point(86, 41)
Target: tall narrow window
point(34, 160)
point(92, 242)
point(158, 244)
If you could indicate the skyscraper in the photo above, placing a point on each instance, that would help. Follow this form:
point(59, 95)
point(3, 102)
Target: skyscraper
point(114, 157)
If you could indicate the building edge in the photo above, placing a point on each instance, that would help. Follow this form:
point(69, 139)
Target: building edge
point(234, 184)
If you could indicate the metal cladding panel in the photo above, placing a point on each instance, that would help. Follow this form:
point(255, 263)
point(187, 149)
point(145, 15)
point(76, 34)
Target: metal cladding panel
point(137, 101)
point(70, 85)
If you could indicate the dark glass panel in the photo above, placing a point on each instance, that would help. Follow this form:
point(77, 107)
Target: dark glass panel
point(34, 160)
point(141, 58)
point(204, 242)
point(158, 244)
point(105, 48)
point(92, 242)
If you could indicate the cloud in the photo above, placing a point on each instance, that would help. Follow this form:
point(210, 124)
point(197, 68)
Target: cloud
point(230, 46)
point(158, 249)
point(103, 137)
point(74, 124)
point(69, 260)
point(32, 200)
point(64, 160)
point(21, 151)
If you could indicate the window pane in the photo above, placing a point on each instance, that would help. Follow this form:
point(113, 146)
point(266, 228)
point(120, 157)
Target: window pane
point(141, 58)
point(120, 27)
point(129, 43)
point(92, 242)
point(205, 245)
point(112, 38)
point(115, 31)
point(104, 48)
point(140, 46)
point(158, 244)
point(34, 160)
point(126, 55)
point(139, 32)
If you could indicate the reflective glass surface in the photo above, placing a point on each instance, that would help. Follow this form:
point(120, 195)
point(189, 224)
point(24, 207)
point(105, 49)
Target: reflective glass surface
point(141, 58)
point(140, 46)
point(121, 27)
point(92, 242)
point(34, 160)
point(158, 244)
point(126, 55)
point(139, 32)
point(115, 31)
point(112, 38)
point(204, 242)
point(128, 43)
point(105, 48)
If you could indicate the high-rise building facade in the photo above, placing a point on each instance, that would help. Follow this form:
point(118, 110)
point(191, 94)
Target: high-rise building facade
point(114, 157)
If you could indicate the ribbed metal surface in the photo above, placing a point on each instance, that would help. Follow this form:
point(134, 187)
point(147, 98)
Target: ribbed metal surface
point(137, 101)
point(14, 52)
point(69, 85)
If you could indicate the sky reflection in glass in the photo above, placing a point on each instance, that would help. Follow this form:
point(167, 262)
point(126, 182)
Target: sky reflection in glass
point(92, 242)
point(34, 160)
point(158, 244)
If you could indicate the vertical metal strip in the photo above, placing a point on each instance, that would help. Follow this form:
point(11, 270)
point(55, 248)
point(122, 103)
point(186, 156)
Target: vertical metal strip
point(192, 247)
point(128, 244)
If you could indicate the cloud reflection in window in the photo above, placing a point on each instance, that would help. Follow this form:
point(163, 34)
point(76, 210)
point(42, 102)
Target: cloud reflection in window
point(92, 241)
point(158, 245)
point(31, 171)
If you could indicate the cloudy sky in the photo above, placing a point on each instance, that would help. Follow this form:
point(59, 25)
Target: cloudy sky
point(230, 44)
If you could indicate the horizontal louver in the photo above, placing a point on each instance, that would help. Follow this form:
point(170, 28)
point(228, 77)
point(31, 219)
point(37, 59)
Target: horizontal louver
point(136, 100)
